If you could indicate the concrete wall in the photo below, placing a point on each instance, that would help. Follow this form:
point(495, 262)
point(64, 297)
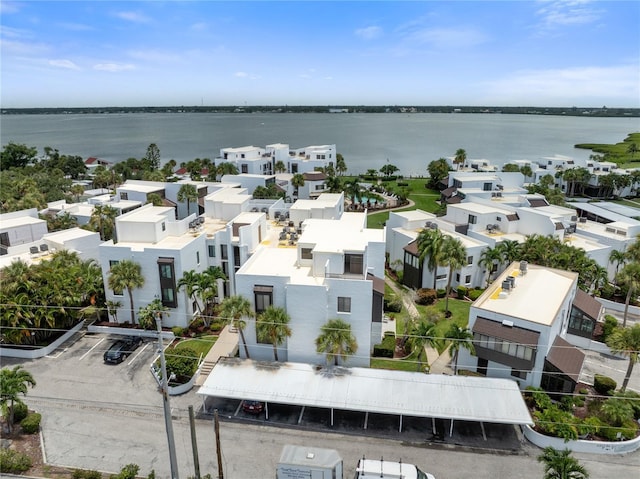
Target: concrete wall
point(589, 447)
point(42, 351)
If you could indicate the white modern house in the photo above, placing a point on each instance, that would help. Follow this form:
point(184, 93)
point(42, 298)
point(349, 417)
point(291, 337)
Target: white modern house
point(20, 231)
point(519, 327)
point(333, 269)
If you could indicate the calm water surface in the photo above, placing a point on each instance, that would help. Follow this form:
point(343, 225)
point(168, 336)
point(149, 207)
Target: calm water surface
point(408, 141)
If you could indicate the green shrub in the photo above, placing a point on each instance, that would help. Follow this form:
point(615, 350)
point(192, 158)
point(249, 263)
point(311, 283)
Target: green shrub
point(86, 474)
point(607, 291)
point(183, 363)
point(633, 398)
point(441, 292)
point(217, 324)
point(13, 461)
point(20, 411)
point(583, 391)
point(31, 423)
point(392, 305)
point(604, 384)
point(386, 348)
point(578, 401)
point(475, 294)
point(566, 403)
point(609, 326)
point(624, 432)
point(130, 471)
point(425, 296)
point(555, 422)
point(177, 331)
point(462, 291)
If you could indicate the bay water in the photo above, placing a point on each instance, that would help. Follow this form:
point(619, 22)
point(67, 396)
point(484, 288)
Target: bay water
point(366, 140)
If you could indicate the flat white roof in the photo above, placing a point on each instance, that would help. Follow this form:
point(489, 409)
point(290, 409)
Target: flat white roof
point(20, 221)
point(68, 234)
point(481, 208)
point(360, 389)
point(537, 296)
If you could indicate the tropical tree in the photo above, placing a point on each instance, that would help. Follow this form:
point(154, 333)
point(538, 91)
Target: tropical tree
point(336, 341)
point(151, 160)
point(526, 171)
point(352, 189)
point(490, 258)
point(147, 315)
point(423, 334)
point(617, 258)
point(626, 341)
point(333, 184)
point(112, 309)
point(226, 168)
point(208, 289)
point(632, 149)
point(510, 251)
point(458, 338)
point(76, 190)
point(430, 249)
point(17, 155)
point(460, 157)
point(297, 181)
point(279, 166)
point(13, 383)
point(155, 199)
point(561, 465)
point(234, 309)
point(438, 170)
point(453, 255)
point(190, 281)
point(341, 165)
point(126, 274)
point(629, 277)
point(511, 168)
point(273, 326)
point(188, 193)
point(103, 220)
point(388, 169)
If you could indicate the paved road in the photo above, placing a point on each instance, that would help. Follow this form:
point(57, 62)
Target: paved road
point(98, 416)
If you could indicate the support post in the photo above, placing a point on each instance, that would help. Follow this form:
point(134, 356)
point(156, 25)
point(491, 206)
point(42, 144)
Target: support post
point(216, 428)
point(165, 399)
point(400, 428)
point(451, 429)
point(484, 435)
point(366, 419)
point(194, 442)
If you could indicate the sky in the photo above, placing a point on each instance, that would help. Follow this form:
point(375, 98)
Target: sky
point(173, 53)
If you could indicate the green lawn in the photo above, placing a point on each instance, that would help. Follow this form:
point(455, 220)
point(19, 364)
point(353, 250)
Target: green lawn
point(618, 151)
point(201, 345)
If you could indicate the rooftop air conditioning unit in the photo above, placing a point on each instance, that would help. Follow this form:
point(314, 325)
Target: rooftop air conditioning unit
point(512, 280)
point(583, 220)
point(507, 323)
point(434, 226)
point(523, 267)
point(574, 218)
point(428, 224)
point(506, 285)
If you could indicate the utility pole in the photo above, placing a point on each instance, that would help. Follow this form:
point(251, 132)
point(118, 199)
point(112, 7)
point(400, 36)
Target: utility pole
point(216, 426)
point(165, 398)
point(194, 442)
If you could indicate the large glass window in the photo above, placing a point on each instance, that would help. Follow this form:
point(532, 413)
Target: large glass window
point(344, 304)
point(473, 219)
point(263, 297)
point(167, 282)
point(353, 263)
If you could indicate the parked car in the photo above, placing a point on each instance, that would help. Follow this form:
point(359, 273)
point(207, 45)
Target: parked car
point(252, 407)
point(121, 348)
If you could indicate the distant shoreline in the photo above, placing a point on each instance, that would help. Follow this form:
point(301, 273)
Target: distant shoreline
point(336, 110)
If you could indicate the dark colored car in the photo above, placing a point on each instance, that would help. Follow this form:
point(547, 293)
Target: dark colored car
point(252, 407)
point(120, 349)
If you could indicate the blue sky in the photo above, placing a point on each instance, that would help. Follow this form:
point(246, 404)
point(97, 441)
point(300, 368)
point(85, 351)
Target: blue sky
point(111, 53)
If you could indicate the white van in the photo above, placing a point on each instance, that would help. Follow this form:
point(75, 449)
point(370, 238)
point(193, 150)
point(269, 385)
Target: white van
point(376, 469)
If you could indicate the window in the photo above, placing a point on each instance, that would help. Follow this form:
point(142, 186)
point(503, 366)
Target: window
point(167, 282)
point(164, 226)
point(441, 276)
point(467, 279)
point(458, 277)
point(223, 252)
point(487, 187)
point(263, 297)
point(344, 304)
point(516, 373)
point(245, 168)
point(469, 259)
point(124, 195)
point(353, 263)
point(305, 253)
point(197, 257)
point(236, 256)
point(112, 263)
point(212, 251)
point(473, 219)
point(498, 218)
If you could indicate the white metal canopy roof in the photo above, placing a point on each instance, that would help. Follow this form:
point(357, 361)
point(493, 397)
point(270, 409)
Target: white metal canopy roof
point(369, 390)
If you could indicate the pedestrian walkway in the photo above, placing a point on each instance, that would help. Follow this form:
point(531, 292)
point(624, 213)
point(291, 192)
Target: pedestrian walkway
point(226, 345)
point(438, 363)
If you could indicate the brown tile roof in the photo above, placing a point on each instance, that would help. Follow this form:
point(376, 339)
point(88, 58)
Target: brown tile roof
point(448, 191)
point(587, 304)
point(166, 202)
point(537, 202)
point(559, 226)
point(314, 176)
point(508, 333)
point(412, 248)
point(513, 217)
point(566, 358)
point(454, 200)
point(378, 283)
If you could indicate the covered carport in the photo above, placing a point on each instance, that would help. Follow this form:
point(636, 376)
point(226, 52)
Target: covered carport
point(476, 399)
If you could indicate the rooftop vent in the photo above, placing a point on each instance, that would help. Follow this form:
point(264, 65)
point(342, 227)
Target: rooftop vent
point(507, 323)
point(574, 218)
point(428, 224)
point(506, 285)
point(512, 280)
point(583, 220)
point(523, 267)
point(434, 226)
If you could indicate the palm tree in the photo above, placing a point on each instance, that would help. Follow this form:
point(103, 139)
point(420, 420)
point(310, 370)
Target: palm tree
point(489, 259)
point(618, 258)
point(273, 326)
point(341, 165)
point(510, 251)
point(147, 315)
point(208, 289)
point(457, 338)
point(112, 309)
point(103, 220)
point(234, 308)
point(526, 171)
point(77, 190)
point(297, 181)
point(188, 193)
point(126, 274)
point(560, 465)
point(453, 255)
point(423, 334)
point(13, 382)
point(352, 189)
point(626, 341)
point(460, 158)
point(336, 341)
point(430, 248)
point(279, 167)
point(190, 281)
point(629, 277)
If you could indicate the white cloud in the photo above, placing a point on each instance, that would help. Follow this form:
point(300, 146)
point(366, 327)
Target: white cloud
point(9, 7)
point(135, 17)
point(556, 13)
point(369, 33)
point(22, 48)
point(113, 67)
point(590, 85)
point(240, 74)
point(62, 63)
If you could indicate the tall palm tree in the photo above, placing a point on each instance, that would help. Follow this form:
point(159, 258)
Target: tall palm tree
point(234, 309)
point(453, 255)
point(13, 382)
point(188, 193)
point(279, 167)
point(352, 189)
point(429, 249)
point(626, 341)
point(510, 251)
point(489, 259)
point(629, 277)
point(341, 165)
point(103, 220)
point(126, 274)
point(423, 334)
point(112, 309)
point(297, 181)
point(618, 258)
point(460, 158)
point(526, 171)
point(273, 326)
point(208, 288)
point(190, 281)
point(458, 338)
point(561, 465)
point(336, 341)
